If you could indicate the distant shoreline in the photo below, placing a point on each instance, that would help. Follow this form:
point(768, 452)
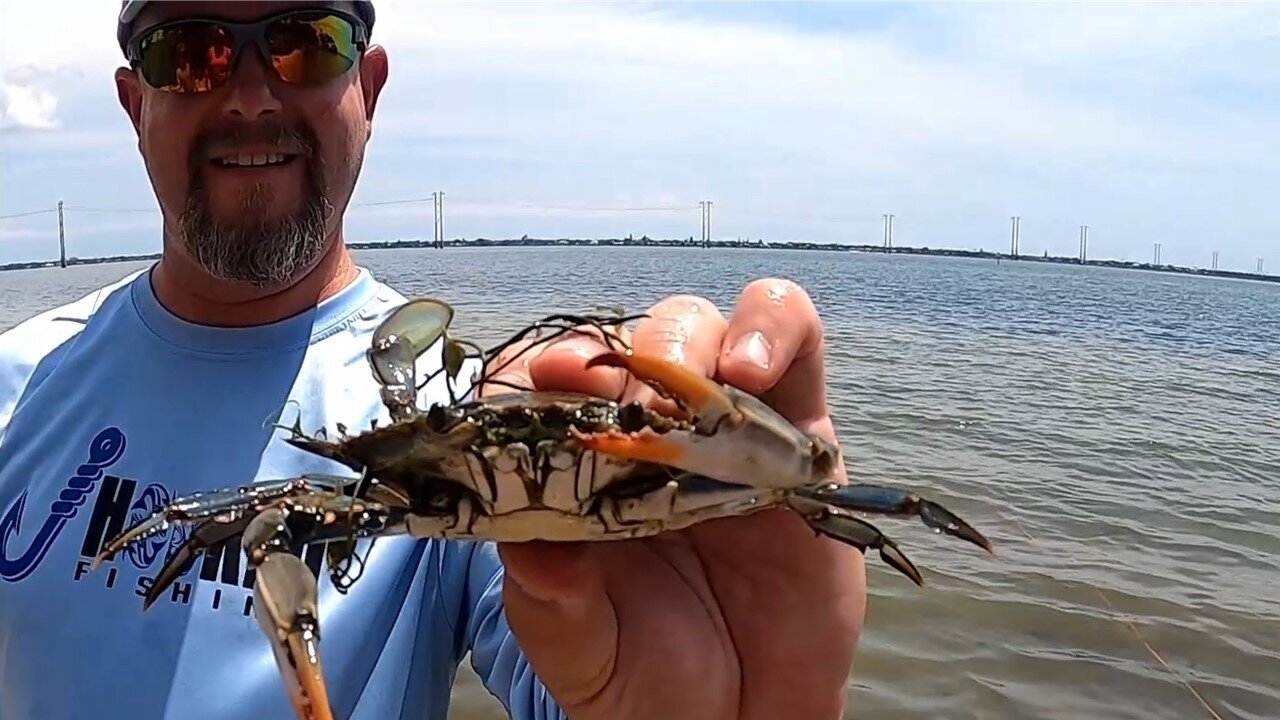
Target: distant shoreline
point(719, 244)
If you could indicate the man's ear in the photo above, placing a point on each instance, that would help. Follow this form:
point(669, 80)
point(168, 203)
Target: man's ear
point(129, 90)
point(373, 76)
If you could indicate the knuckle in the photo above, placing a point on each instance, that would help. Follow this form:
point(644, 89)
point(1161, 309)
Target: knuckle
point(683, 328)
point(783, 305)
point(686, 304)
point(775, 291)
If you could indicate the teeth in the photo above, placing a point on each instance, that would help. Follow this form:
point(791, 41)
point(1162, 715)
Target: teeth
point(247, 160)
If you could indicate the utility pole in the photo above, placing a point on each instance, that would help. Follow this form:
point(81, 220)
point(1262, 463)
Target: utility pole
point(1084, 243)
point(1156, 259)
point(1015, 222)
point(706, 223)
point(1215, 259)
point(1259, 266)
point(438, 204)
point(62, 238)
point(889, 234)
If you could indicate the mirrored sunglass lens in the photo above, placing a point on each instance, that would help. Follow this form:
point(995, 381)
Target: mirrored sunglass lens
point(186, 58)
point(312, 48)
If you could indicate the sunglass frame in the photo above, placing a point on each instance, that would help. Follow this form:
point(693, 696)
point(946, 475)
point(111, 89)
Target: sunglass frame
point(254, 32)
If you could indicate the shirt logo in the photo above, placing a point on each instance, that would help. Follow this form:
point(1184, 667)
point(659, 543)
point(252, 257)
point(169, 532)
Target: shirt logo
point(105, 449)
point(119, 502)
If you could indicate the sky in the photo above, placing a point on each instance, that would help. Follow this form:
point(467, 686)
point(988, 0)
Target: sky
point(1150, 123)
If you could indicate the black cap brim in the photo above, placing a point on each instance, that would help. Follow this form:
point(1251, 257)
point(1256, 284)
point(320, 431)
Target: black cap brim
point(130, 9)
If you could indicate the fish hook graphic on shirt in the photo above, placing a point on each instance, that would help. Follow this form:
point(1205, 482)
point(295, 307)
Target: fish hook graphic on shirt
point(105, 450)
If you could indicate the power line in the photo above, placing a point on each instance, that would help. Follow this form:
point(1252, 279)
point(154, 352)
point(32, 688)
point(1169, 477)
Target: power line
point(78, 208)
point(407, 201)
point(29, 213)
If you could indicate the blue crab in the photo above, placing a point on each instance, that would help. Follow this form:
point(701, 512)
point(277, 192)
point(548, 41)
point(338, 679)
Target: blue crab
point(523, 465)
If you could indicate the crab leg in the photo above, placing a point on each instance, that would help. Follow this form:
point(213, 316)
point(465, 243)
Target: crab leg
point(278, 520)
point(222, 506)
point(894, 501)
point(206, 535)
point(217, 516)
point(290, 618)
point(842, 526)
point(286, 590)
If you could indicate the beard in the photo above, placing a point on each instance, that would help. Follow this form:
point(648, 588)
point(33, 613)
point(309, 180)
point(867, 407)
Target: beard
point(257, 247)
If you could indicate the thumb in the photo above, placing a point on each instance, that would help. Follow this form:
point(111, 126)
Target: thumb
point(560, 613)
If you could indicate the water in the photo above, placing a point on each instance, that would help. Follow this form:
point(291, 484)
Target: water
point(1116, 434)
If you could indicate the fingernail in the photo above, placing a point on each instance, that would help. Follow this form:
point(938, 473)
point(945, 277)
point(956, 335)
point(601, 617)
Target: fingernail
point(752, 348)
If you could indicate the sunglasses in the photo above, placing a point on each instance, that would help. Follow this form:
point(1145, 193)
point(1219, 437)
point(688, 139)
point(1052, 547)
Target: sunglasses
point(197, 55)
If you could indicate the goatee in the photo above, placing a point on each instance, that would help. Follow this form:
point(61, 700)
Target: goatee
point(256, 247)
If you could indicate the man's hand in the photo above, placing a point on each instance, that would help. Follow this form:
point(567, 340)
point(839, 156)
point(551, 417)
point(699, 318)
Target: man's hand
point(743, 617)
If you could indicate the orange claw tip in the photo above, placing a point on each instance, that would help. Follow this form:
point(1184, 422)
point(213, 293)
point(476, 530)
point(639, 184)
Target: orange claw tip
point(310, 697)
point(707, 399)
point(645, 446)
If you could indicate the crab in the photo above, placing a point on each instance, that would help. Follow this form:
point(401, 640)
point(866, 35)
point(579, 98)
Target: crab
point(520, 466)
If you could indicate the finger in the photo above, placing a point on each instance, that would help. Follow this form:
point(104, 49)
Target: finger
point(557, 363)
point(561, 365)
point(684, 329)
point(509, 371)
point(774, 349)
point(556, 603)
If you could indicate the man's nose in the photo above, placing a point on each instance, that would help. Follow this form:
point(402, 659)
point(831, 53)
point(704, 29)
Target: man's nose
point(249, 93)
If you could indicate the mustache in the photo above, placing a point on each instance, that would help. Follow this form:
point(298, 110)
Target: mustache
point(296, 138)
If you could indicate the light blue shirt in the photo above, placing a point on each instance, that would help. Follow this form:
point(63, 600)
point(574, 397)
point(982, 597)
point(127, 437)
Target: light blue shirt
point(110, 407)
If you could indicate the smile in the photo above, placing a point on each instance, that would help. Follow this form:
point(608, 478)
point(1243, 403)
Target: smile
point(254, 160)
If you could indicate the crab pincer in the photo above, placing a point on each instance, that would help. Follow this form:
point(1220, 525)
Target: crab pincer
point(285, 590)
point(736, 437)
point(290, 618)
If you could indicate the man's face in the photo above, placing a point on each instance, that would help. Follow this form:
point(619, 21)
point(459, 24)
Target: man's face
point(252, 177)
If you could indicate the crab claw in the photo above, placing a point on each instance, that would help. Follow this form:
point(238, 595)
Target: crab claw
point(861, 534)
point(289, 616)
point(708, 401)
point(735, 438)
point(895, 501)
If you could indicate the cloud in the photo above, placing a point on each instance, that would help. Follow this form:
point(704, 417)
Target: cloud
point(24, 105)
point(801, 121)
point(36, 66)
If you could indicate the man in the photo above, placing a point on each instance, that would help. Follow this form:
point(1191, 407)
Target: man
point(167, 382)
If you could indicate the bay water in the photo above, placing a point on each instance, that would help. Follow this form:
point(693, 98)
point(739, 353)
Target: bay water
point(1115, 433)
